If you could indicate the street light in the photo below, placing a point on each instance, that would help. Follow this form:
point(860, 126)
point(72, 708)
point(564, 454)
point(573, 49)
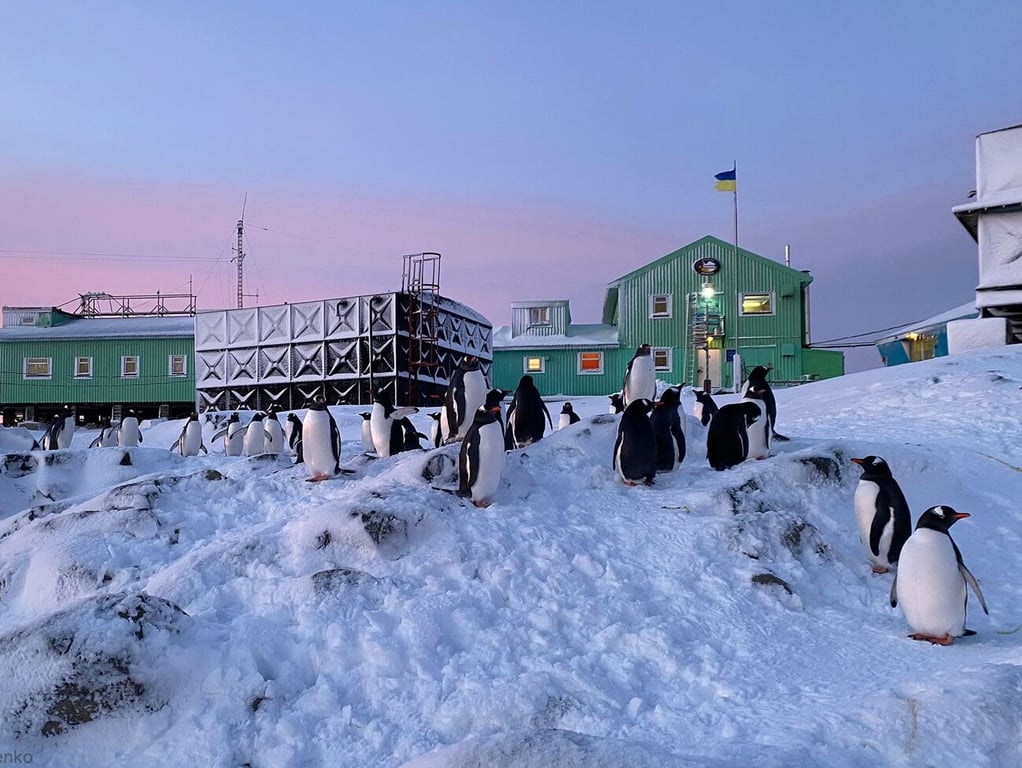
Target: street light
point(708, 291)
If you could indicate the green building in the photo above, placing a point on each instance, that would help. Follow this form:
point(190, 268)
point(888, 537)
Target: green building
point(705, 309)
point(50, 358)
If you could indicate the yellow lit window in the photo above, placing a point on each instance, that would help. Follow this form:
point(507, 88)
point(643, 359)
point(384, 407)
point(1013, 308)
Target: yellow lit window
point(534, 364)
point(662, 359)
point(757, 303)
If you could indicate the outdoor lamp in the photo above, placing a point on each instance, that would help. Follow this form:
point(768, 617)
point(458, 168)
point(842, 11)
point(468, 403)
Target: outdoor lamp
point(708, 292)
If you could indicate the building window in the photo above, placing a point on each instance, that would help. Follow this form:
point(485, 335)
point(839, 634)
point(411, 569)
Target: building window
point(178, 365)
point(534, 364)
point(590, 362)
point(27, 320)
point(539, 315)
point(757, 304)
point(660, 306)
point(129, 367)
point(662, 359)
point(38, 367)
point(83, 367)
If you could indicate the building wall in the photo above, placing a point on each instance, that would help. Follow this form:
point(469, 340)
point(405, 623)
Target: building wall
point(560, 375)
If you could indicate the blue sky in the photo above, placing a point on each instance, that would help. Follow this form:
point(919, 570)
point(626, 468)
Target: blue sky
point(543, 148)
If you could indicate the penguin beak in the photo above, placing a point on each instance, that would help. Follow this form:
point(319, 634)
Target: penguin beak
point(960, 515)
point(858, 461)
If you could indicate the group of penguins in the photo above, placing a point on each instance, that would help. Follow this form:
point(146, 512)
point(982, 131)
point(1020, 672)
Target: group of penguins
point(61, 429)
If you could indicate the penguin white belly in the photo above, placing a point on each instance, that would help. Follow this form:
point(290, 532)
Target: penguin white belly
point(64, 438)
point(368, 442)
point(930, 588)
point(865, 510)
point(191, 440)
point(255, 439)
point(491, 462)
point(475, 396)
point(274, 437)
point(380, 426)
point(317, 445)
point(434, 433)
point(128, 433)
point(641, 382)
point(564, 421)
point(234, 442)
point(759, 433)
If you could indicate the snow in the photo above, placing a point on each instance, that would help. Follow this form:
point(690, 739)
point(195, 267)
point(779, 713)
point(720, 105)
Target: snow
point(157, 610)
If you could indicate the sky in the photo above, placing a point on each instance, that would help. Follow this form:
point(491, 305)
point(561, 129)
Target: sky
point(542, 149)
point(160, 610)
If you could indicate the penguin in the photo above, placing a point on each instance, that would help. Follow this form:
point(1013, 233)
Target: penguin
point(367, 433)
point(568, 416)
point(294, 437)
point(881, 513)
point(635, 450)
point(233, 433)
point(465, 394)
point(434, 429)
point(640, 380)
point(107, 436)
point(64, 438)
point(481, 460)
point(759, 430)
point(255, 436)
point(274, 433)
point(667, 430)
point(757, 380)
point(410, 436)
point(128, 433)
point(727, 439)
point(704, 407)
point(385, 424)
point(930, 583)
point(525, 423)
point(616, 403)
point(189, 442)
point(321, 442)
point(51, 440)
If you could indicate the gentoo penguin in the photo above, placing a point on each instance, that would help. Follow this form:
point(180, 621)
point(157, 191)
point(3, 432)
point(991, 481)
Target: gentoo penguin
point(410, 436)
point(107, 436)
point(64, 438)
point(670, 437)
point(385, 424)
point(189, 442)
point(704, 407)
point(51, 439)
point(434, 429)
point(931, 577)
point(481, 460)
point(617, 405)
point(321, 442)
point(294, 437)
point(568, 416)
point(233, 433)
point(640, 380)
point(255, 436)
point(128, 433)
point(757, 380)
point(367, 433)
point(635, 454)
point(465, 394)
point(727, 439)
point(274, 432)
point(759, 430)
point(881, 513)
point(525, 424)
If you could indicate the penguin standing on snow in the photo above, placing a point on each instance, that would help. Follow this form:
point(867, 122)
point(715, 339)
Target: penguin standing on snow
point(640, 380)
point(107, 436)
point(385, 424)
point(759, 430)
point(727, 439)
point(189, 442)
point(635, 452)
point(321, 442)
point(367, 432)
point(465, 394)
point(930, 583)
point(667, 429)
point(704, 407)
point(881, 513)
point(434, 429)
point(128, 433)
point(757, 380)
point(255, 436)
point(274, 432)
point(52, 437)
point(617, 405)
point(294, 437)
point(525, 424)
point(568, 416)
point(233, 434)
point(481, 460)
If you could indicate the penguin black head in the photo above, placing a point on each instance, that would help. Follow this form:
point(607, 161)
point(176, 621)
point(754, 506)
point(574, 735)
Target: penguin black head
point(873, 467)
point(670, 397)
point(759, 374)
point(493, 398)
point(526, 381)
point(232, 418)
point(366, 415)
point(193, 416)
point(617, 402)
point(644, 349)
point(470, 363)
point(435, 415)
point(566, 408)
point(756, 393)
point(642, 406)
point(384, 398)
point(940, 518)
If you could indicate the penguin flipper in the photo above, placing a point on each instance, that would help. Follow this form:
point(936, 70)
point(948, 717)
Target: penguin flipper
point(880, 520)
point(781, 438)
point(971, 581)
point(99, 439)
point(177, 443)
point(218, 435)
point(894, 591)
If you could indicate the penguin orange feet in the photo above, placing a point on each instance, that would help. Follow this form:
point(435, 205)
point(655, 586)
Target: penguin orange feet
point(482, 504)
point(942, 640)
point(880, 569)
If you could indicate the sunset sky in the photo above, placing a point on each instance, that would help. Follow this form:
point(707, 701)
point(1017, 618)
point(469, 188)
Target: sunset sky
point(543, 148)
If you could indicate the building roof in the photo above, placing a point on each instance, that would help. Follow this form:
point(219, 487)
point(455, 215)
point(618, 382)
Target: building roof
point(581, 335)
point(958, 313)
point(104, 328)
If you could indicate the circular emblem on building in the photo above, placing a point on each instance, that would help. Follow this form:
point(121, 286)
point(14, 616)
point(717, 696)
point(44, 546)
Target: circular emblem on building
point(706, 266)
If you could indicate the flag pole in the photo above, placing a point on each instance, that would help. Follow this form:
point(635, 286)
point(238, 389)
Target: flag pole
point(738, 302)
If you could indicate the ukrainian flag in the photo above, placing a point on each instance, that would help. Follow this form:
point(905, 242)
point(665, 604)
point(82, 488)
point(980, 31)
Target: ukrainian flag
point(726, 181)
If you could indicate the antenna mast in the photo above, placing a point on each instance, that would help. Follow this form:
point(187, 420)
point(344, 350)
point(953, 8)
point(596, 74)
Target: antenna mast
point(240, 258)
